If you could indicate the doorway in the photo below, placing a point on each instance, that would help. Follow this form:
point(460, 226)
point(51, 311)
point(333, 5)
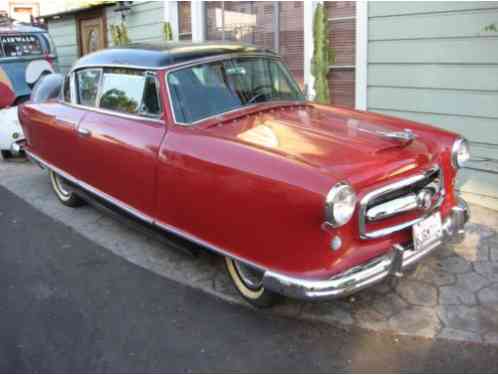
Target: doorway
point(92, 33)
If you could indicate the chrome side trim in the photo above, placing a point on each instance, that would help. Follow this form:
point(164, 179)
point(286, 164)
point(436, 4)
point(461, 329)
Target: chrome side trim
point(138, 214)
point(113, 113)
point(343, 284)
point(208, 245)
point(180, 64)
point(362, 214)
point(91, 189)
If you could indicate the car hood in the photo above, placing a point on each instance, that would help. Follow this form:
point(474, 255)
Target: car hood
point(342, 144)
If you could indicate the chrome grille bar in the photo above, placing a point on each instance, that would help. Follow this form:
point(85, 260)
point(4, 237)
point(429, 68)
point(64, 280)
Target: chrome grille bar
point(396, 206)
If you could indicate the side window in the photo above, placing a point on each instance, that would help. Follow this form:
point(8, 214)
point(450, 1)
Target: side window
point(66, 89)
point(88, 86)
point(122, 90)
point(129, 91)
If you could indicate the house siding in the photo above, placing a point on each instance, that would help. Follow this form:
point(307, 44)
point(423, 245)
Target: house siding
point(145, 22)
point(63, 33)
point(433, 62)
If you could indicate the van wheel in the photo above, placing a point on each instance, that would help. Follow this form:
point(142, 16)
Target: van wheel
point(64, 191)
point(6, 154)
point(249, 283)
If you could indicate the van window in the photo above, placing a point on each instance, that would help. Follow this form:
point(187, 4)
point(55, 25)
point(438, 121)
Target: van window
point(129, 91)
point(87, 81)
point(21, 45)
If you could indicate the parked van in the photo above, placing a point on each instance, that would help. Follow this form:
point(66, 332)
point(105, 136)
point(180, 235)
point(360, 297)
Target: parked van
point(27, 53)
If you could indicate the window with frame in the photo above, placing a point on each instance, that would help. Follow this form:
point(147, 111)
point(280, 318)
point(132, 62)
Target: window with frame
point(229, 84)
point(130, 91)
point(21, 45)
point(66, 89)
point(87, 81)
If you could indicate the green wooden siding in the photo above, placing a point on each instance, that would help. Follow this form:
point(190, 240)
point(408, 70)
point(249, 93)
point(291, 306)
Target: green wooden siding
point(433, 62)
point(63, 33)
point(144, 25)
point(144, 22)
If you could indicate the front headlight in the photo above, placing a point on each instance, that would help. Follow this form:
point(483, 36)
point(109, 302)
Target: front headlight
point(340, 204)
point(460, 153)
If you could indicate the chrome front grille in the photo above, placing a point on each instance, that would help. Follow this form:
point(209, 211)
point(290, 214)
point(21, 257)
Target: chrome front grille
point(417, 195)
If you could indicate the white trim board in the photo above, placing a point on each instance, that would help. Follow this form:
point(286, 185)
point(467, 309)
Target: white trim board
point(361, 55)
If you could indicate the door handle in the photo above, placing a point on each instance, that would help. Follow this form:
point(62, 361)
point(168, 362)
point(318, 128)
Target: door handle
point(84, 132)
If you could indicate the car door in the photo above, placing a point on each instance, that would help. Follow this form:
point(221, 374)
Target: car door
point(119, 138)
point(51, 129)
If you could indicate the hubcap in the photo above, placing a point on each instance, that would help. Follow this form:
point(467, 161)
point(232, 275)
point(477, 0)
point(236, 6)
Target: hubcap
point(62, 186)
point(249, 275)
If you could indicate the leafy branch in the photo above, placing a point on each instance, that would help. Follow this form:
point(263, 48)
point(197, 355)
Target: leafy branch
point(493, 27)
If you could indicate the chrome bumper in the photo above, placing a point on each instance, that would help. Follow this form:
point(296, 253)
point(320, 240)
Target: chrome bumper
point(370, 273)
point(17, 147)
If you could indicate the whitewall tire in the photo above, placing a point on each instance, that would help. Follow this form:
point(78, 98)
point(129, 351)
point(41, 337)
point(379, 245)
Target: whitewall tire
point(249, 283)
point(64, 192)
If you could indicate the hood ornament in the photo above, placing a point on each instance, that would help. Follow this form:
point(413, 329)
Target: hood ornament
point(406, 136)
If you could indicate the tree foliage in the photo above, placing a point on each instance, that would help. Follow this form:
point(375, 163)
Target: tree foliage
point(323, 55)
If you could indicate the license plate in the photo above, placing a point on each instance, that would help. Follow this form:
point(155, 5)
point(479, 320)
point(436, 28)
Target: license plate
point(427, 232)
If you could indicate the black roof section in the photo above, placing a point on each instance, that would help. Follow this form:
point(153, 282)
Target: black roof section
point(161, 55)
point(18, 28)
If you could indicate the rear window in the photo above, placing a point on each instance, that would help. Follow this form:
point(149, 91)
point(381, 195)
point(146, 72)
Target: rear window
point(20, 45)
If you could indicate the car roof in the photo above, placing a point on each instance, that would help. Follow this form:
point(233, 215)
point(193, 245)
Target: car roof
point(162, 55)
point(18, 28)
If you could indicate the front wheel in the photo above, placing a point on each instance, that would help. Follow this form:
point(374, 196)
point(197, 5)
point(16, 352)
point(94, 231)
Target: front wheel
point(249, 283)
point(64, 192)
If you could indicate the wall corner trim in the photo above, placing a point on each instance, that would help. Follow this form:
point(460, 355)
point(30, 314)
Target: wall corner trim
point(309, 80)
point(361, 62)
point(170, 14)
point(198, 19)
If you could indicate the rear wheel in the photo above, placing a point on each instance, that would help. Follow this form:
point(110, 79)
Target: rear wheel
point(249, 283)
point(64, 191)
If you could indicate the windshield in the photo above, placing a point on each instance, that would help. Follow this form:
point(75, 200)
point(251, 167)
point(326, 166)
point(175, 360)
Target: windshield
point(213, 88)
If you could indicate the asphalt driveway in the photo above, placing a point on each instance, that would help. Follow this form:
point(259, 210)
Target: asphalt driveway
point(69, 305)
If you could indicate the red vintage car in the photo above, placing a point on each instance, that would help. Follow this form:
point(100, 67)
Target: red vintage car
point(217, 144)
